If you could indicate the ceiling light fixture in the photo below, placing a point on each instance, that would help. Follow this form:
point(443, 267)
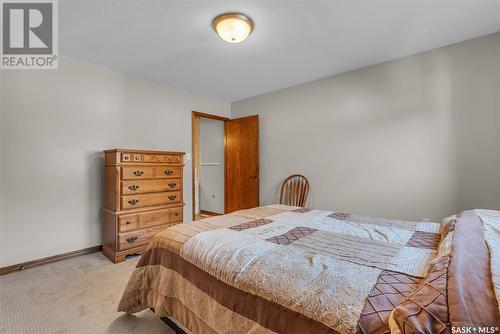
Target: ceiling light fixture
point(232, 27)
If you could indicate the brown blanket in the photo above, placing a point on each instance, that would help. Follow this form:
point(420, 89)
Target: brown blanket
point(290, 270)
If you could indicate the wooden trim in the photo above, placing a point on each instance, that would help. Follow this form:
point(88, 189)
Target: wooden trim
point(195, 138)
point(205, 115)
point(210, 213)
point(145, 164)
point(46, 260)
point(225, 168)
point(117, 257)
point(126, 150)
point(258, 159)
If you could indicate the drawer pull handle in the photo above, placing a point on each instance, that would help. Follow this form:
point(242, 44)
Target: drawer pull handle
point(131, 239)
point(168, 172)
point(128, 223)
point(133, 187)
point(138, 173)
point(133, 201)
point(172, 185)
point(172, 197)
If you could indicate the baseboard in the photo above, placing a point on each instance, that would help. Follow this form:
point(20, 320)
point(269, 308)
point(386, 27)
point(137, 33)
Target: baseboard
point(210, 213)
point(30, 264)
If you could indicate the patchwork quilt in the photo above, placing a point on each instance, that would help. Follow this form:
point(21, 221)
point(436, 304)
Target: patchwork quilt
point(281, 269)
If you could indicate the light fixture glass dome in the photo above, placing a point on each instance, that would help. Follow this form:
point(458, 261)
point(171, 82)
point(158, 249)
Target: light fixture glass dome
point(233, 27)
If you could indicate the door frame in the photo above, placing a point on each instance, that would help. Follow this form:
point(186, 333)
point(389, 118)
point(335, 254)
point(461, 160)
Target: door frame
point(195, 140)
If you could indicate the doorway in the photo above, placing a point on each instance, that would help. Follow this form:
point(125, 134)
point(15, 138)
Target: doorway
point(225, 160)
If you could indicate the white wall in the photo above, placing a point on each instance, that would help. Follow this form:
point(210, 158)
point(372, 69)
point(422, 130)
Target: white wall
point(411, 138)
point(55, 125)
point(212, 165)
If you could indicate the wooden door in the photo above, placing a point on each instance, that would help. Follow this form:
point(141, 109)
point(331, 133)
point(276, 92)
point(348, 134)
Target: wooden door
point(241, 163)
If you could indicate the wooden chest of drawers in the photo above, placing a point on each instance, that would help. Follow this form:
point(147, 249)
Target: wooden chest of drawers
point(143, 195)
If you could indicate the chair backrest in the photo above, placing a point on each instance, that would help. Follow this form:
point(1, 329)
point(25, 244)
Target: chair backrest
point(294, 190)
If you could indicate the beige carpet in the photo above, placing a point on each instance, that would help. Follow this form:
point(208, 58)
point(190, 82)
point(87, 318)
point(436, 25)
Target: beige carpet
point(78, 295)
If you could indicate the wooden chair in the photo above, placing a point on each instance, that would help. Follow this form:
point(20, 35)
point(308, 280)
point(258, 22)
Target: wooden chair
point(294, 190)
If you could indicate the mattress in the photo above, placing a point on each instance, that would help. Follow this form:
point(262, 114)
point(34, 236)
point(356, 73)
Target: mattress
point(282, 269)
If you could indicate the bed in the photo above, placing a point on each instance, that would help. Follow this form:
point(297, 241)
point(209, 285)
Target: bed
point(282, 269)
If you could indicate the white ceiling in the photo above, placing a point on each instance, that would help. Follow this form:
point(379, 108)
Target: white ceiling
point(293, 42)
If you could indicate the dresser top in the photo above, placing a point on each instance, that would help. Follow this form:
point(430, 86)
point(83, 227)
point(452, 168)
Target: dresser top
point(141, 151)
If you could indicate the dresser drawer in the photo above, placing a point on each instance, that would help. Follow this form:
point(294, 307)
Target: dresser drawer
point(150, 186)
point(131, 157)
point(146, 172)
point(151, 158)
point(176, 214)
point(153, 218)
point(142, 200)
point(128, 223)
point(137, 173)
point(167, 171)
point(149, 219)
point(126, 157)
point(143, 196)
point(173, 159)
point(161, 158)
point(137, 238)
